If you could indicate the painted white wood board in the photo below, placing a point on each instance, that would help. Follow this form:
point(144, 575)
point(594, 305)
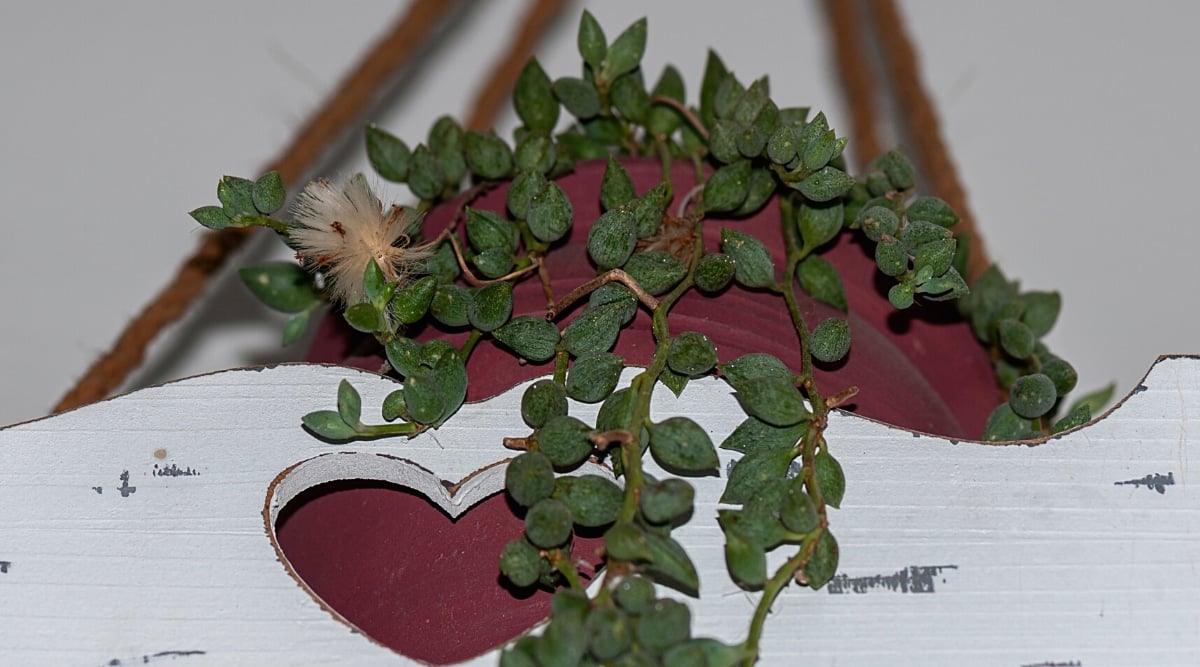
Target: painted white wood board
point(1083, 550)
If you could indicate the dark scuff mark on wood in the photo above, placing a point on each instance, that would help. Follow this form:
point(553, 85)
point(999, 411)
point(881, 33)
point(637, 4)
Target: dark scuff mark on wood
point(125, 488)
point(173, 470)
point(4, 565)
point(150, 658)
point(1153, 481)
point(912, 579)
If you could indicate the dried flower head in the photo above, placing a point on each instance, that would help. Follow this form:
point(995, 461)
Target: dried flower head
point(341, 230)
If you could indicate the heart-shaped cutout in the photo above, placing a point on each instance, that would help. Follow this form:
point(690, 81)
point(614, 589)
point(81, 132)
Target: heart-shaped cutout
point(412, 563)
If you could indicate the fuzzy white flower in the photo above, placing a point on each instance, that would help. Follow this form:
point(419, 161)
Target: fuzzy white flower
point(343, 229)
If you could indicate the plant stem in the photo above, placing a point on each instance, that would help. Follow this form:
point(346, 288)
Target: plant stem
point(468, 345)
point(562, 563)
point(378, 430)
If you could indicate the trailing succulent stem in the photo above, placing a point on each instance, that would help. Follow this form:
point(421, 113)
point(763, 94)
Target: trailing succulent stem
point(389, 276)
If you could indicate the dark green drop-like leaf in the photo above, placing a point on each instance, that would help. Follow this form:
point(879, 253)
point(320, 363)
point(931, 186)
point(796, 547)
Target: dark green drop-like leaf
point(404, 355)
point(667, 500)
point(593, 500)
point(328, 424)
point(530, 336)
point(283, 286)
point(754, 435)
point(691, 353)
point(295, 327)
point(388, 155)
point(682, 445)
point(616, 411)
point(376, 287)
point(541, 401)
point(626, 541)
point(662, 119)
point(521, 192)
point(932, 209)
point(830, 478)
point(937, 255)
point(591, 42)
point(759, 191)
point(521, 564)
point(662, 625)
point(754, 470)
point(825, 184)
point(656, 271)
point(774, 400)
point(753, 265)
point(1096, 400)
point(616, 187)
point(723, 141)
point(236, 195)
point(630, 99)
point(728, 187)
point(668, 563)
point(899, 169)
point(747, 562)
point(529, 478)
point(212, 217)
point(1062, 374)
point(564, 440)
point(1041, 311)
point(820, 223)
point(533, 98)
point(593, 376)
point(612, 238)
point(490, 306)
point(425, 177)
point(625, 52)
point(548, 523)
point(578, 96)
point(451, 305)
point(753, 366)
point(549, 214)
point(1004, 425)
point(830, 340)
point(891, 256)
point(650, 208)
point(782, 146)
point(349, 403)
point(798, 513)
point(1032, 396)
point(487, 155)
point(676, 382)
point(820, 280)
point(615, 293)
point(714, 271)
point(823, 564)
point(593, 330)
point(363, 317)
point(535, 152)
point(1073, 419)
point(714, 73)
point(269, 193)
point(1016, 338)
point(487, 229)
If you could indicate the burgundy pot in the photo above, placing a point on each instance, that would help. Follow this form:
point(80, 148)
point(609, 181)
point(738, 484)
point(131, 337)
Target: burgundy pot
point(371, 551)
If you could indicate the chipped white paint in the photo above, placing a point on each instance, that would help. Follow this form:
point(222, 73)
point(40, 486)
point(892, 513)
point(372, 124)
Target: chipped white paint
point(1083, 550)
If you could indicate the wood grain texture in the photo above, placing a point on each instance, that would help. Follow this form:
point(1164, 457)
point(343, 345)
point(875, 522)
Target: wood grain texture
point(132, 531)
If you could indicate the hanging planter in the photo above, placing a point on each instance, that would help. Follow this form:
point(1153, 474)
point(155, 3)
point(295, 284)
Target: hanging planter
point(742, 250)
